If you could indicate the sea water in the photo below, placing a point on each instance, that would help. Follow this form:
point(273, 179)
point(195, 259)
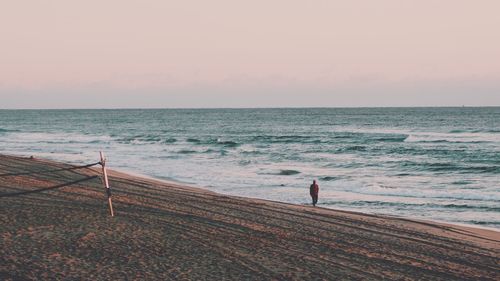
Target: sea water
point(430, 163)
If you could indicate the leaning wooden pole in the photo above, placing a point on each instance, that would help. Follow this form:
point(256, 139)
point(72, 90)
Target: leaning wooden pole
point(106, 183)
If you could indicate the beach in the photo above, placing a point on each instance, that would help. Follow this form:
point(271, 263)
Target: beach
point(51, 230)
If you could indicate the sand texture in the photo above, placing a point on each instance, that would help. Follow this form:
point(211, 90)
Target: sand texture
point(165, 231)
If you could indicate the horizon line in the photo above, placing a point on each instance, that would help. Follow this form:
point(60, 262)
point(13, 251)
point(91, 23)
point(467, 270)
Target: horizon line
point(263, 107)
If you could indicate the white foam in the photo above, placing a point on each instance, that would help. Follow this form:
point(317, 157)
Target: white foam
point(376, 187)
point(453, 137)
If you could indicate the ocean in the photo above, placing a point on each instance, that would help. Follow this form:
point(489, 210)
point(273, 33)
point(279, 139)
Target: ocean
point(428, 163)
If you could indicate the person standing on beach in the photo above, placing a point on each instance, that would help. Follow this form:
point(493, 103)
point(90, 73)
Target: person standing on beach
point(314, 190)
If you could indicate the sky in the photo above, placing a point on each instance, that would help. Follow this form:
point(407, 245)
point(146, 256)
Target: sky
point(259, 53)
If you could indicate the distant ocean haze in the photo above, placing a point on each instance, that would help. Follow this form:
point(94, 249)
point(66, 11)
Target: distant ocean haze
point(432, 163)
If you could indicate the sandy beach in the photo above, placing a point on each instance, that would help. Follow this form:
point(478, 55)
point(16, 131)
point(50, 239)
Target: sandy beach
point(165, 231)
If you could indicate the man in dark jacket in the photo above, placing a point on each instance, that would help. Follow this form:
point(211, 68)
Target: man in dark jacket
point(314, 190)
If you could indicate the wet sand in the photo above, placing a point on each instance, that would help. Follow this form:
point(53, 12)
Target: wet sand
point(165, 231)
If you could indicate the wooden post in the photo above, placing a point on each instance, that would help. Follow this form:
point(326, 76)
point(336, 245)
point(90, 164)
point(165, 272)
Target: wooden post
point(106, 183)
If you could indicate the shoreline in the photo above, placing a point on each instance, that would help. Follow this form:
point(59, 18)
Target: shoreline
point(472, 228)
point(127, 172)
point(173, 182)
point(163, 230)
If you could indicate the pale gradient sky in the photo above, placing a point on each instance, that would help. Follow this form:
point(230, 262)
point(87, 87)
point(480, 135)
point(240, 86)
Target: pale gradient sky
point(259, 53)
